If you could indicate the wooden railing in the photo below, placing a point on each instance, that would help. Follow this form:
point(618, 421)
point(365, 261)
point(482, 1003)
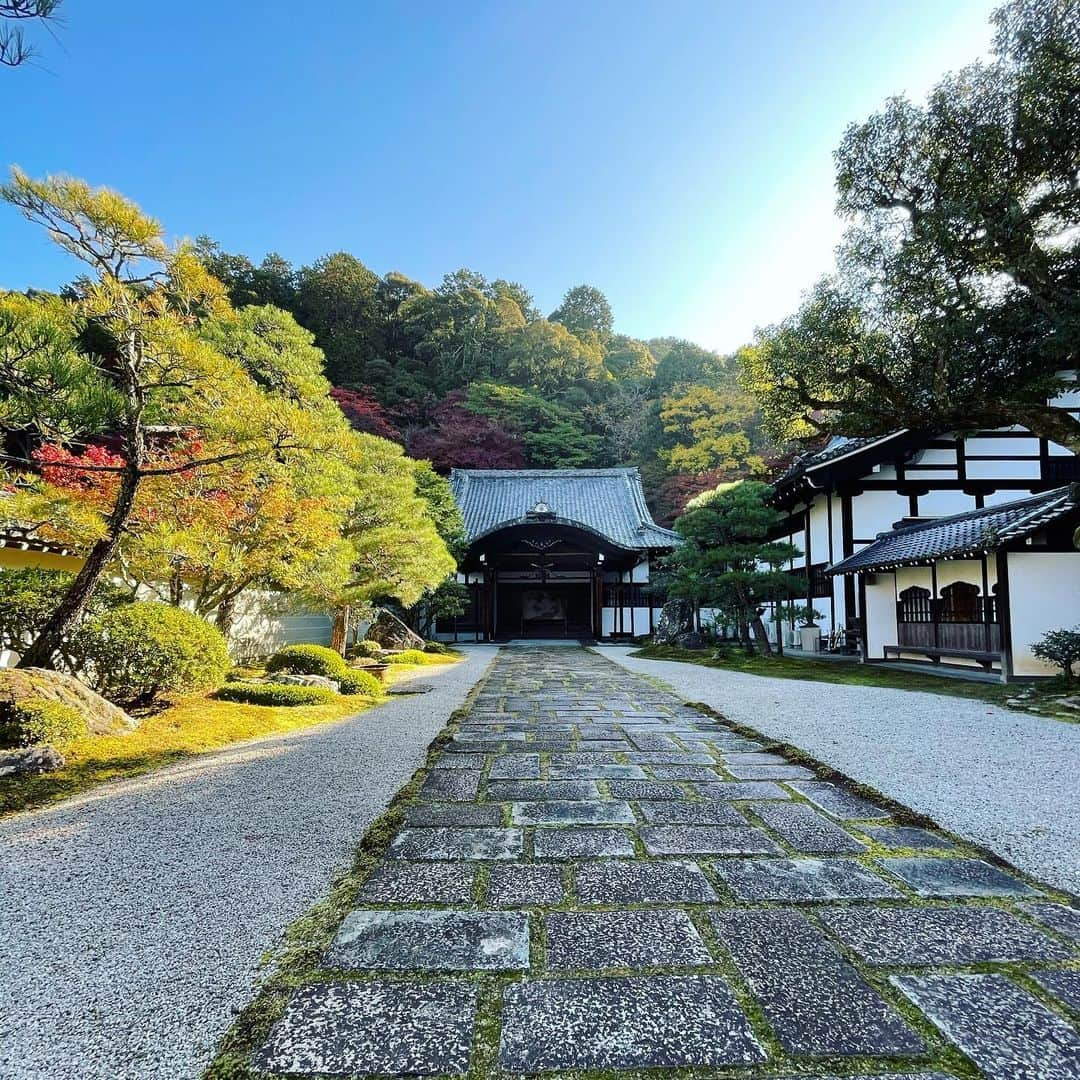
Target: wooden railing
point(925, 623)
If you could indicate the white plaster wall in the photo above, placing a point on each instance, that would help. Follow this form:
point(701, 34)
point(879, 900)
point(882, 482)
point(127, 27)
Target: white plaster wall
point(262, 625)
point(819, 531)
point(945, 503)
point(880, 615)
point(640, 572)
point(1015, 469)
point(1044, 594)
point(1004, 447)
point(874, 512)
point(969, 570)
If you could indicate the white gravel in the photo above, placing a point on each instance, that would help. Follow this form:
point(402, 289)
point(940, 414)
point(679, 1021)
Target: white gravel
point(1005, 780)
point(133, 919)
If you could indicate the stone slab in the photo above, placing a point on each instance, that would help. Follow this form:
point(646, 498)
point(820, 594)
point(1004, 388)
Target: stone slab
point(803, 880)
point(425, 815)
point(896, 837)
point(650, 757)
point(769, 772)
point(578, 843)
point(541, 790)
point(736, 792)
point(815, 1001)
point(431, 941)
point(670, 812)
point(1059, 917)
point(621, 881)
point(917, 936)
point(397, 882)
point(645, 789)
point(649, 1022)
point(515, 767)
point(753, 757)
point(706, 840)
point(572, 813)
point(1004, 1030)
point(467, 843)
point(955, 877)
point(615, 771)
point(449, 785)
point(460, 761)
point(650, 741)
point(359, 1028)
point(517, 885)
point(704, 773)
point(1064, 984)
point(840, 803)
point(804, 829)
point(590, 941)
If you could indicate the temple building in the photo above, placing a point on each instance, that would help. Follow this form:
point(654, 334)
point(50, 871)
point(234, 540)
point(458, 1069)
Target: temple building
point(556, 553)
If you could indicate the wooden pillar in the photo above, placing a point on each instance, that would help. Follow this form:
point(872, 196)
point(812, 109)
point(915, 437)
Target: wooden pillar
point(986, 604)
point(935, 605)
point(1004, 614)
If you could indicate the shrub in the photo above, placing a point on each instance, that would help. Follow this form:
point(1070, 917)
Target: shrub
point(37, 721)
point(360, 682)
point(1059, 647)
point(274, 694)
point(369, 650)
point(139, 651)
point(415, 656)
point(436, 647)
point(307, 660)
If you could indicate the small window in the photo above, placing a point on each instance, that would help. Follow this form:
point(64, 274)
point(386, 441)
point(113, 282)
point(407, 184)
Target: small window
point(960, 602)
point(915, 604)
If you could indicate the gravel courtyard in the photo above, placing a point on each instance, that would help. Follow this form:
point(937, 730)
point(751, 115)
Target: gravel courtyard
point(1003, 779)
point(597, 877)
point(133, 919)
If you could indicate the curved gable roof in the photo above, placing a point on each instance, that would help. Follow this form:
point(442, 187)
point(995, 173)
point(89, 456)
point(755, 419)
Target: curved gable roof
point(609, 502)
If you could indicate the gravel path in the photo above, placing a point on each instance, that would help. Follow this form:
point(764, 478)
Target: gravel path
point(1002, 779)
point(133, 919)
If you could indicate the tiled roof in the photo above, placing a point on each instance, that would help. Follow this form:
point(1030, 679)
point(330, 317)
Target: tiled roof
point(839, 446)
point(607, 501)
point(964, 534)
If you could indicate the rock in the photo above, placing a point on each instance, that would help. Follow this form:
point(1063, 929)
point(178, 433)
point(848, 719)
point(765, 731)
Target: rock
point(389, 632)
point(307, 680)
point(102, 717)
point(411, 688)
point(692, 640)
point(676, 620)
point(30, 761)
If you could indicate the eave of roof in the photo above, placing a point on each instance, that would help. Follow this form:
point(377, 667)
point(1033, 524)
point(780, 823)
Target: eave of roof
point(973, 533)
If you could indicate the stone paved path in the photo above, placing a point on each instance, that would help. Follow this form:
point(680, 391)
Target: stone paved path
point(597, 877)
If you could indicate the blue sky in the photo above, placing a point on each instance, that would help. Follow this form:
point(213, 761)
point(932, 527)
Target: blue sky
point(676, 154)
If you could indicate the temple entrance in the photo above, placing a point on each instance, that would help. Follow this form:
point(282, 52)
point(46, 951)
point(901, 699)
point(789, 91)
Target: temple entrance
point(544, 610)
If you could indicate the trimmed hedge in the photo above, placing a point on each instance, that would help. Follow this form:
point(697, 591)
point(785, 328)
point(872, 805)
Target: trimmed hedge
point(414, 656)
point(36, 721)
point(436, 647)
point(360, 682)
point(307, 660)
point(369, 650)
point(275, 694)
point(142, 650)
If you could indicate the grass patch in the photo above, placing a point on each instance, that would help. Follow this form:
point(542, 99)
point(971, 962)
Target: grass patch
point(193, 725)
point(1038, 698)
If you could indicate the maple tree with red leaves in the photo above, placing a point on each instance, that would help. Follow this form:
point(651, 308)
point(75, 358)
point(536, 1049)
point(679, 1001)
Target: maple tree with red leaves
point(460, 439)
point(365, 414)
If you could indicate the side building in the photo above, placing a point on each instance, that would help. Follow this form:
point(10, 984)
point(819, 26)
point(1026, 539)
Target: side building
point(556, 553)
point(908, 540)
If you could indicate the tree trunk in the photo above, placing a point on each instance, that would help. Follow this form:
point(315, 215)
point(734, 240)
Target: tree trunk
point(176, 590)
point(760, 636)
point(225, 614)
point(45, 647)
point(340, 632)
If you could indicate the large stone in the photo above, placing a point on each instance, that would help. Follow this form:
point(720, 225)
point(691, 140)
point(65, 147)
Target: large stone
point(956, 877)
point(389, 632)
point(676, 620)
point(30, 761)
point(803, 880)
point(624, 881)
point(321, 681)
point(578, 940)
point(102, 717)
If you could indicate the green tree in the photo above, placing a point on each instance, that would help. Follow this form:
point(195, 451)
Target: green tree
point(546, 356)
point(628, 359)
point(585, 310)
point(726, 560)
point(709, 429)
point(120, 358)
point(956, 303)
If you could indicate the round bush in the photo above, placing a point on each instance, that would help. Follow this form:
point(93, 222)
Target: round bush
point(360, 682)
point(370, 650)
point(435, 647)
point(139, 651)
point(274, 694)
point(307, 660)
point(40, 722)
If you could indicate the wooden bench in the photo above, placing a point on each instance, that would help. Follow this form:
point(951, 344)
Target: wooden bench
point(986, 659)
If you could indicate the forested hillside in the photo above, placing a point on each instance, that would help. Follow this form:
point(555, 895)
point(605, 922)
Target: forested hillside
point(470, 373)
